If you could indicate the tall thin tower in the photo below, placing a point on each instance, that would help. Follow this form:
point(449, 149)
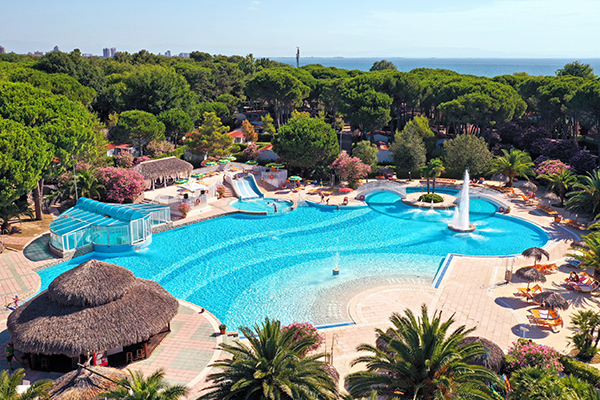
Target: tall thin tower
point(297, 57)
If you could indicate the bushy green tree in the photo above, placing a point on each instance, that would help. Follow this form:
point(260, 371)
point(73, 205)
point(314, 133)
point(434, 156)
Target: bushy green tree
point(409, 152)
point(271, 366)
point(423, 359)
point(210, 138)
point(268, 126)
point(420, 125)
point(467, 152)
point(364, 107)
point(576, 69)
point(177, 124)
point(383, 65)
point(367, 152)
point(249, 133)
point(306, 143)
point(140, 126)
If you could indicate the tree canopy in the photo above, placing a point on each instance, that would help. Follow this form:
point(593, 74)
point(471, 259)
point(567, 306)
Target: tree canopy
point(138, 126)
point(210, 138)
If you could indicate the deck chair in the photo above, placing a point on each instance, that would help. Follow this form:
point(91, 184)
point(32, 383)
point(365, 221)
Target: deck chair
point(546, 318)
point(589, 285)
point(546, 268)
point(529, 293)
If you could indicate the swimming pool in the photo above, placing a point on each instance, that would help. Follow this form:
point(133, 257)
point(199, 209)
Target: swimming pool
point(243, 268)
point(264, 204)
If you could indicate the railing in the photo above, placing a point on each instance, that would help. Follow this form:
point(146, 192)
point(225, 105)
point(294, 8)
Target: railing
point(390, 186)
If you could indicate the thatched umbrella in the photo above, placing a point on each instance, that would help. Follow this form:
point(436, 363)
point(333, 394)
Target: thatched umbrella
point(330, 369)
point(579, 243)
point(82, 384)
point(493, 359)
point(530, 274)
point(382, 344)
point(95, 306)
point(537, 253)
point(169, 167)
point(551, 300)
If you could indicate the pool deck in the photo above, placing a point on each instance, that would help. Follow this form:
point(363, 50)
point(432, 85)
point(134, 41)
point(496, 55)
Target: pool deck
point(472, 289)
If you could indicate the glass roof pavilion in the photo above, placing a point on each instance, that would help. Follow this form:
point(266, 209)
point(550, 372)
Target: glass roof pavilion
point(108, 227)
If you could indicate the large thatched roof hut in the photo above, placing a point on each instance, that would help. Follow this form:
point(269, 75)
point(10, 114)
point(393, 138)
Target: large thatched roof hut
point(163, 169)
point(82, 384)
point(95, 307)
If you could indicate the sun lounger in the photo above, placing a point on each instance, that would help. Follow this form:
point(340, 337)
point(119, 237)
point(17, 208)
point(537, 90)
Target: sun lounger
point(546, 318)
point(529, 293)
point(573, 262)
point(548, 210)
point(546, 268)
point(574, 224)
point(587, 285)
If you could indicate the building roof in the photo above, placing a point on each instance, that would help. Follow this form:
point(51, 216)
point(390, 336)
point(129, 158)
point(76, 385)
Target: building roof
point(236, 134)
point(95, 306)
point(163, 167)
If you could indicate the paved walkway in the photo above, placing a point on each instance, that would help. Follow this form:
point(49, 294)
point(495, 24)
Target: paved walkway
point(473, 289)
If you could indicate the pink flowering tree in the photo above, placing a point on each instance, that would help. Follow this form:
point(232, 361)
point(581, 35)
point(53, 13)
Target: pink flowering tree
point(141, 160)
point(305, 331)
point(121, 184)
point(525, 353)
point(549, 167)
point(251, 152)
point(350, 169)
point(124, 160)
point(158, 147)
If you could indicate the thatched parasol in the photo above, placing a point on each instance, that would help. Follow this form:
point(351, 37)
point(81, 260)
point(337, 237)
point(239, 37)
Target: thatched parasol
point(579, 243)
point(530, 274)
point(493, 359)
point(95, 306)
point(330, 369)
point(537, 253)
point(383, 345)
point(164, 167)
point(85, 385)
point(551, 300)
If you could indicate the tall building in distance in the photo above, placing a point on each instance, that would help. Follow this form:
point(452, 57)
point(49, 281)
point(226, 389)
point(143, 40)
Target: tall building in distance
point(57, 49)
point(168, 53)
point(2, 50)
point(106, 52)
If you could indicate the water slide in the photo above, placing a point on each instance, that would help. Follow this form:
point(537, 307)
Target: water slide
point(246, 188)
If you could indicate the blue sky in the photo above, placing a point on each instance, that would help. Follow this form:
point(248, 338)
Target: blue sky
point(375, 28)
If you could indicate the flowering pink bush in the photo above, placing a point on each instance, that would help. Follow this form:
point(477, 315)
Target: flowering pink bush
point(251, 152)
point(157, 147)
point(304, 329)
point(121, 184)
point(141, 159)
point(350, 168)
point(529, 354)
point(220, 190)
point(124, 160)
point(550, 167)
point(184, 208)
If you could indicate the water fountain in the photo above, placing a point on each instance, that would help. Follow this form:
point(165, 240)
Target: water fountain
point(460, 219)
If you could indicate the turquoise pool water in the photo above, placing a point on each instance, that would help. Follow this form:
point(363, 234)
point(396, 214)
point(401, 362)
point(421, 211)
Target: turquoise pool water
point(243, 268)
point(263, 204)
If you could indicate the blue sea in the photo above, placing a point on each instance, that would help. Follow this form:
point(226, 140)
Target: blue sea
point(489, 67)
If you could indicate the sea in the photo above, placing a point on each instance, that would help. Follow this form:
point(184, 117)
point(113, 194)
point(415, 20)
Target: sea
point(489, 67)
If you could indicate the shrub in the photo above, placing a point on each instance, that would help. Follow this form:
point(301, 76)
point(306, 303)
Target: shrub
point(549, 167)
point(220, 190)
point(141, 160)
point(581, 370)
point(431, 197)
point(351, 169)
point(184, 208)
point(583, 162)
point(530, 383)
point(530, 354)
point(158, 147)
point(124, 160)
point(251, 152)
point(305, 330)
point(121, 184)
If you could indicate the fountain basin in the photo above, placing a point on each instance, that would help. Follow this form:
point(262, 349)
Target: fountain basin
point(471, 228)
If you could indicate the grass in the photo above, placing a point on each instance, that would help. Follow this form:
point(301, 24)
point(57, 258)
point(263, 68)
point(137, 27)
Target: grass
point(27, 228)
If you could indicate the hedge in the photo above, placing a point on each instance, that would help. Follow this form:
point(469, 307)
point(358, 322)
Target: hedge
point(581, 370)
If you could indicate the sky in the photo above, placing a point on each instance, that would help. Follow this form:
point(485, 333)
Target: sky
point(323, 28)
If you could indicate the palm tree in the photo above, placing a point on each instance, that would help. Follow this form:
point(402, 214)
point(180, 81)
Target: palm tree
point(423, 360)
point(88, 184)
point(587, 198)
point(425, 172)
point(436, 168)
point(560, 183)
point(512, 164)
point(9, 383)
point(271, 366)
point(136, 387)
point(589, 253)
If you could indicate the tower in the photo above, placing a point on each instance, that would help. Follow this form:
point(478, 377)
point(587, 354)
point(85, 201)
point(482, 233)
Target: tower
point(297, 57)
